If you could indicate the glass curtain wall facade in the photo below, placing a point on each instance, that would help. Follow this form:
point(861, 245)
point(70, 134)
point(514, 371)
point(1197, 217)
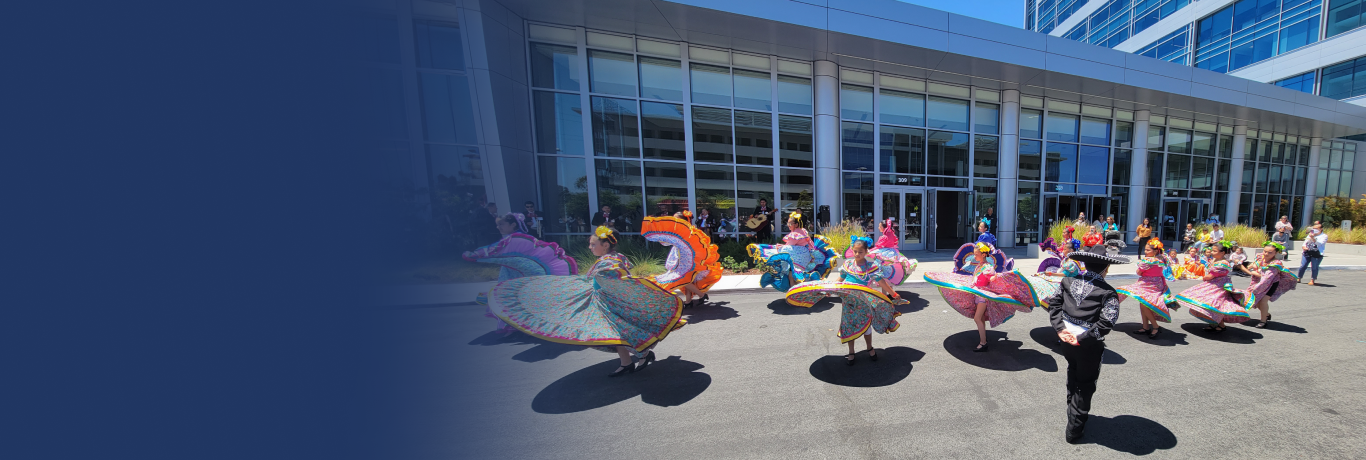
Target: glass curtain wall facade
point(1251, 31)
point(1073, 159)
point(1117, 20)
point(665, 127)
point(1336, 161)
point(455, 171)
point(1275, 169)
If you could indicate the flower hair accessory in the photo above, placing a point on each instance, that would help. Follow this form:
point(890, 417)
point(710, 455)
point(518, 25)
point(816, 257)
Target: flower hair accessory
point(1073, 243)
point(796, 215)
point(1155, 244)
point(1069, 231)
point(983, 248)
point(1226, 244)
point(521, 222)
point(605, 234)
point(867, 242)
point(687, 214)
point(1279, 247)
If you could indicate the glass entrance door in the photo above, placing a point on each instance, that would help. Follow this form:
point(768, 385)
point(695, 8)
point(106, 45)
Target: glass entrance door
point(906, 207)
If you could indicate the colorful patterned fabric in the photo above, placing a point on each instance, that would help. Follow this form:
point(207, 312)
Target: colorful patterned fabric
point(791, 264)
point(692, 257)
point(964, 255)
point(1151, 289)
point(520, 255)
point(1273, 280)
point(1036, 290)
point(1052, 263)
point(961, 292)
point(863, 307)
point(889, 239)
point(867, 275)
point(896, 267)
point(604, 307)
point(1215, 300)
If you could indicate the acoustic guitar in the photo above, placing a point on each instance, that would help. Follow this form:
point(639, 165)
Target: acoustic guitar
point(754, 222)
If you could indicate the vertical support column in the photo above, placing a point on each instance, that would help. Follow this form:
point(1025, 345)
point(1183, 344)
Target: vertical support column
point(827, 138)
point(1235, 175)
point(1138, 174)
point(1008, 168)
point(1311, 183)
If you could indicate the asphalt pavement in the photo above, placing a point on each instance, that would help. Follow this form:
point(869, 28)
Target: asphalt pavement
point(752, 377)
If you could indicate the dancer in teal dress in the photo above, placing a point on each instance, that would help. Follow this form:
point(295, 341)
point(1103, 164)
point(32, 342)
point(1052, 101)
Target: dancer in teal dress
point(606, 308)
point(802, 257)
point(867, 299)
point(519, 255)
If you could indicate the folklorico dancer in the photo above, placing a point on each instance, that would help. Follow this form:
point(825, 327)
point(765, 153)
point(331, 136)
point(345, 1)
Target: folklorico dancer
point(865, 296)
point(691, 267)
point(887, 253)
point(1052, 261)
point(605, 308)
point(1215, 301)
point(981, 294)
point(1270, 279)
point(1151, 291)
point(1083, 312)
point(802, 258)
point(520, 255)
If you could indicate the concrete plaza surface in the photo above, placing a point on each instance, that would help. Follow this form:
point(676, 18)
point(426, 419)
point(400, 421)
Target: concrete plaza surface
point(752, 377)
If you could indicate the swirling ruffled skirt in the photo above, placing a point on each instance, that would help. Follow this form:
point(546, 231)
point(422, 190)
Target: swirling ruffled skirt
point(1036, 288)
point(895, 266)
point(1152, 293)
point(961, 294)
point(788, 263)
point(1273, 285)
point(604, 310)
point(864, 308)
point(1211, 303)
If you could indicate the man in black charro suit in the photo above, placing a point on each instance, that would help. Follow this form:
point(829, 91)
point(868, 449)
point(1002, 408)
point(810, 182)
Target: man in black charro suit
point(764, 232)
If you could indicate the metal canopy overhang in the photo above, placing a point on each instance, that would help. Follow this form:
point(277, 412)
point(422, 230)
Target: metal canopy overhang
point(909, 40)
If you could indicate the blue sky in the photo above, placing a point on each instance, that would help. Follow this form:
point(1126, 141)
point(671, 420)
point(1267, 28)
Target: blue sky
point(1008, 12)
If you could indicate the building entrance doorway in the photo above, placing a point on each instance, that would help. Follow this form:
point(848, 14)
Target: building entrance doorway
point(906, 206)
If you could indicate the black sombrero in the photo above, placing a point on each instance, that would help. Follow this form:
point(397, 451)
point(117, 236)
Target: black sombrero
point(1096, 259)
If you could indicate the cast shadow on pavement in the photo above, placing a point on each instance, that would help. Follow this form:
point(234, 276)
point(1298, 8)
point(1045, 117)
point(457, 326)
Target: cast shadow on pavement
point(709, 311)
point(1167, 338)
point(914, 302)
point(893, 365)
point(1278, 326)
point(541, 351)
point(1230, 335)
point(668, 382)
point(1048, 338)
point(1130, 434)
point(781, 307)
point(1001, 354)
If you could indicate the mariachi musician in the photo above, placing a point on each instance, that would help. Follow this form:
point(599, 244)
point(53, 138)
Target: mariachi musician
point(761, 221)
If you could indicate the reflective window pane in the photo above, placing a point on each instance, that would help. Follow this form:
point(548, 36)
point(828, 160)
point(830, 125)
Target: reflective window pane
point(1202, 173)
point(1027, 207)
point(946, 113)
point(710, 84)
point(1155, 138)
point(661, 79)
point(794, 141)
point(856, 152)
point(715, 189)
point(753, 138)
point(901, 150)
point(753, 90)
point(666, 187)
point(948, 153)
point(616, 131)
point(1155, 171)
point(559, 123)
point(711, 137)
point(1061, 127)
point(1061, 163)
point(564, 195)
point(554, 66)
point(856, 102)
point(447, 112)
point(858, 195)
point(1031, 124)
point(901, 108)
point(796, 188)
point(455, 171)
point(612, 73)
point(662, 131)
point(1178, 171)
point(1124, 134)
point(1031, 160)
point(1095, 131)
point(1202, 144)
point(751, 185)
point(986, 155)
point(986, 118)
point(438, 45)
point(1093, 164)
point(619, 186)
point(794, 94)
point(1121, 172)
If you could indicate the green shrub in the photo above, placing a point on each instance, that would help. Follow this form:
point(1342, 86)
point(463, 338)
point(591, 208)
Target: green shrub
point(1058, 229)
point(1245, 236)
point(839, 235)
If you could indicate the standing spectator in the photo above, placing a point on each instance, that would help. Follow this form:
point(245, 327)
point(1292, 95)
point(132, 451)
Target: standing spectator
point(606, 218)
point(1189, 237)
point(1143, 233)
point(1213, 220)
point(663, 211)
point(991, 220)
point(1081, 220)
point(1311, 253)
point(1284, 224)
point(534, 219)
point(1282, 236)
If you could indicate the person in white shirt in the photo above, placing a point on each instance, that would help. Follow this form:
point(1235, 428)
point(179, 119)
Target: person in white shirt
point(1284, 225)
point(1311, 253)
point(1217, 234)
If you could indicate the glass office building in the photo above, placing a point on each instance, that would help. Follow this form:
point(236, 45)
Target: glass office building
point(846, 110)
